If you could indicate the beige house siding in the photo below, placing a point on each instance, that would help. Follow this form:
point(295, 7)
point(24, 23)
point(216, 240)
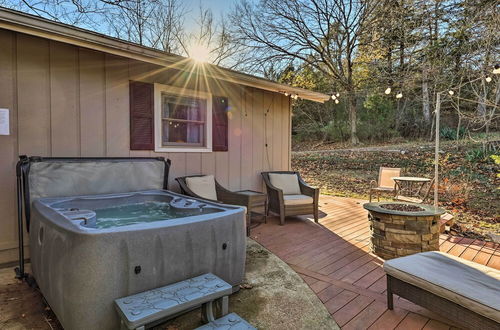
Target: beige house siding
point(70, 101)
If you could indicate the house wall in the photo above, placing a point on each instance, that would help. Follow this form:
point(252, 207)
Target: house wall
point(70, 101)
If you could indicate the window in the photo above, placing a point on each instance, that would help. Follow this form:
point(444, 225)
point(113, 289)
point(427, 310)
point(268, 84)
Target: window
point(183, 120)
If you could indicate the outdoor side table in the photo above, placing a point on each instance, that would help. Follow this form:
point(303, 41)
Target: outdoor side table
point(408, 188)
point(256, 205)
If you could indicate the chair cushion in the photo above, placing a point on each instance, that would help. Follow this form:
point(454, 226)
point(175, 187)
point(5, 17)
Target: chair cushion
point(203, 186)
point(289, 183)
point(297, 199)
point(466, 283)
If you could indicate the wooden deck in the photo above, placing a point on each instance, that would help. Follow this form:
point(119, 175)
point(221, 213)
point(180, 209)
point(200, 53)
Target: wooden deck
point(333, 259)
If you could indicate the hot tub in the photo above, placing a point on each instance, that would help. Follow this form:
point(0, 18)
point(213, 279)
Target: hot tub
point(87, 251)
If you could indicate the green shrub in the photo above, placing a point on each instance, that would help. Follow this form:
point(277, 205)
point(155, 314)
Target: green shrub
point(450, 133)
point(478, 155)
point(377, 119)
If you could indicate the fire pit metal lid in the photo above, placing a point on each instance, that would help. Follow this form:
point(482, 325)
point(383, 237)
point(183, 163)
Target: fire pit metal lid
point(428, 210)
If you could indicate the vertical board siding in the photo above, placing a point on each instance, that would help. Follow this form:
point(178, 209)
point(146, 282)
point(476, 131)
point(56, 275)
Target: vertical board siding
point(33, 95)
point(64, 103)
point(257, 138)
point(70, 101)
point(92, 103)
point(246, 139)
point(8, 145)
point(117, 106)
point(234, 153)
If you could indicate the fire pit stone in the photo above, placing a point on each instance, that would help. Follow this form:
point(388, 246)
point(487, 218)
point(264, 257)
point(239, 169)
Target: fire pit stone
point(400, 229)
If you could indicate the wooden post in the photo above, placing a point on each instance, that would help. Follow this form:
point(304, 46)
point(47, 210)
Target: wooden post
point(436, 152)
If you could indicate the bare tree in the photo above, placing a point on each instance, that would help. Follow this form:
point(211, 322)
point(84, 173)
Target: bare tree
point(153, 23)
point(212, 37)
point(325, 34)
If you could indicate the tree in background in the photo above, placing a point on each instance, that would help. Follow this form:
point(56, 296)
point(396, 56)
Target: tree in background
point(323, 34)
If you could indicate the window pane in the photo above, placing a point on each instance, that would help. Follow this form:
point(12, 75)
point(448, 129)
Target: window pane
point(178, 133)
point(187, 108)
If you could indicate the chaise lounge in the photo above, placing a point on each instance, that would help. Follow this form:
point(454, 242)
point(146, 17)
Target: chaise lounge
point(289, 195)
point(461, 290)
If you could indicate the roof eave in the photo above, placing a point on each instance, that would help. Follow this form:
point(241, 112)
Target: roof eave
point(40, 27)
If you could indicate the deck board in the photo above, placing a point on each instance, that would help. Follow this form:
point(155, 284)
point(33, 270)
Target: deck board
point(333, 257)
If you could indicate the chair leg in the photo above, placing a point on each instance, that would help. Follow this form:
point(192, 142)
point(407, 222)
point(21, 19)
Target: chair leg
point(390, 302)
point(316, 215)
point(371, 196)
point(282, 218)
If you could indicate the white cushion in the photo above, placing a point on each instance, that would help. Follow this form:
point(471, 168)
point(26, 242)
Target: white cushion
point(203, 186)
point(466, 283)
point(297, 199)
point(289, 183)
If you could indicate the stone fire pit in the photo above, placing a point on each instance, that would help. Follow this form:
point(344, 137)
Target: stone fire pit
point(399, 229)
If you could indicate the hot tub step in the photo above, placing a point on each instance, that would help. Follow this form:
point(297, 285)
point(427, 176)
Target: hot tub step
point(231, 321)
point(138, 310)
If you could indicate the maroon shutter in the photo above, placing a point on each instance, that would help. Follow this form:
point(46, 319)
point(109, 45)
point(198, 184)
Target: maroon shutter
point(141, 116)
point(219, 123)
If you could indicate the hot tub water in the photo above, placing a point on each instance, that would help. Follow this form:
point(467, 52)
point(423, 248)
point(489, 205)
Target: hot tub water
point(130, 214)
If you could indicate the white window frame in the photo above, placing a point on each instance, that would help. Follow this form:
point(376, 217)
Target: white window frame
point(158, 90)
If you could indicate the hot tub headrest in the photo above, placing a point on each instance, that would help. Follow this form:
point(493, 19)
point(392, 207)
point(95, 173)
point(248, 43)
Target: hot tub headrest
point(61, 177)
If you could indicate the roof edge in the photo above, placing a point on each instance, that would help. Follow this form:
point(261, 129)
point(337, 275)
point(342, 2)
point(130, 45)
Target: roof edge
point(33, 25)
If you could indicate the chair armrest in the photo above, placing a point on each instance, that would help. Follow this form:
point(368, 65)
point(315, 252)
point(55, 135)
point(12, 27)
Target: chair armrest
point(188, 192)
point(274, 194)
point(306, 189)
point(373, 184)
point(231, 197)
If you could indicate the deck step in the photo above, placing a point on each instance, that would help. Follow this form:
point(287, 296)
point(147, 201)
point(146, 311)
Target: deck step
point(231, 321)
point(445, 220)
point(146, 307)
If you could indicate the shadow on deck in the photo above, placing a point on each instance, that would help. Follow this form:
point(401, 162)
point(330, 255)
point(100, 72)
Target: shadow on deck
point(333, 257)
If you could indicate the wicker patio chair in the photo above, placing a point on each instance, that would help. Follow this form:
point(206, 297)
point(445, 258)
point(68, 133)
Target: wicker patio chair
point(223, 195)
point(301, 200)
point(385, 183)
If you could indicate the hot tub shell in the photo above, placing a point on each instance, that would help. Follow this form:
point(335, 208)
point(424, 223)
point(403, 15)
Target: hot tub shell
point(81, 271)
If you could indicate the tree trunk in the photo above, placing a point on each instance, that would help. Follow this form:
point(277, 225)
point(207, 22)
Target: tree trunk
point(353, 119)
point(426, 106)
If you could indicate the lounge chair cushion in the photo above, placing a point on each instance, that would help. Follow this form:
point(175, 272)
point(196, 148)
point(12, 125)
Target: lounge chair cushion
point(203, 186)
point(297, 199)
point(289, 183)
point(466, 283)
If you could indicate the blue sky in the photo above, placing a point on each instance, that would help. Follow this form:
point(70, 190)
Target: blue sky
point(218, 7)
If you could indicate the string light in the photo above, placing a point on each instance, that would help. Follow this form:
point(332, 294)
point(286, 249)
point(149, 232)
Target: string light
point(337, 95)
point(286, 94)
point(496, 70)
point(451, 92)
point(488, 79)
point(336, 101)
point(388, 91)
point(399, 95)
point(333, 97)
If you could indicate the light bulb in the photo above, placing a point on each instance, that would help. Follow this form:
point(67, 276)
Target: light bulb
point(399, 95)
point(451, 92)
point(333, 97)
point(488, 79)
point(286, 94)
point(388, 91)
point(496, 70)
point(336, 101)
point(337, 95)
